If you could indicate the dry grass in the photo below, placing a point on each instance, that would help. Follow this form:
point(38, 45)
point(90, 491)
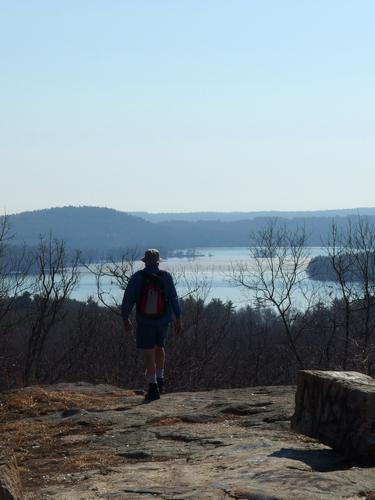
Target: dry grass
point(229, 417)
point(46, 448)
point(72, 461)
point(165, 421)
point(42, 402)
point(44, 441)
point(89, 460)
point(42, 452)
point(26, 436)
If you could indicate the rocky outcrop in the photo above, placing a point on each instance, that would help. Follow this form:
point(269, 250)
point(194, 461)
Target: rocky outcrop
point(338, 408)
point(78, 441)
point(10, 484)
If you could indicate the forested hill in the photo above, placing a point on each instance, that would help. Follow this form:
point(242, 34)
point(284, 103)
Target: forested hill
point(237, 216)
point(82, 227)
point(104, 229)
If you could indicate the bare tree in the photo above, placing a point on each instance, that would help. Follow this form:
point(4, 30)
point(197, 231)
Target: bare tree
point(275, 272)
point(341, 257)
point(55, 280)
point(113, 276)
point(364, 264)
point(351, 251)
point(14, 268)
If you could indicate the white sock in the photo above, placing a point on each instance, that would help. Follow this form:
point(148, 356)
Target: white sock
point(151, 378)
point(160, 373)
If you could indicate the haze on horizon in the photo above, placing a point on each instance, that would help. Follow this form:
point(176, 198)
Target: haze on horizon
point(187, 106)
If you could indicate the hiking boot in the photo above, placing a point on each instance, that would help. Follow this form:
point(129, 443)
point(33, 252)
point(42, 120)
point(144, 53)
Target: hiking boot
point(152, 393)
point(160, 382)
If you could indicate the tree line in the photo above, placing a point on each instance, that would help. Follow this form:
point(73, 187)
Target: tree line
point(289, 323)
point(102, 232)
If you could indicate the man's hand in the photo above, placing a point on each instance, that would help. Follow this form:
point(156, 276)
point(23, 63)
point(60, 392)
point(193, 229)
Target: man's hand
point(177, 327)
point(128, 327)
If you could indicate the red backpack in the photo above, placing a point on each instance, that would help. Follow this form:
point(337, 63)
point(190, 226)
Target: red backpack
point(152, 302)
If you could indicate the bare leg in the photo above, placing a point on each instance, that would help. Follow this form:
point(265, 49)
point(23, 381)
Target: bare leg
point(159, 357)
point(149, 361)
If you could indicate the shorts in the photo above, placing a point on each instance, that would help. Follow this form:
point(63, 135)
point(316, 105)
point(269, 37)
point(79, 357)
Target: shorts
point(150, 336)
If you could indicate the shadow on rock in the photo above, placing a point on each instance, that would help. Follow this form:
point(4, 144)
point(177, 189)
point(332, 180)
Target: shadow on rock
point(319, 460)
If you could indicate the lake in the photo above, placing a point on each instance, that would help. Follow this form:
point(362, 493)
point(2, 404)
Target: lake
point(208, 275)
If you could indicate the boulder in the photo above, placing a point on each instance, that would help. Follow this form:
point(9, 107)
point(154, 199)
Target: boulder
point(337, 408)
point(10, 483)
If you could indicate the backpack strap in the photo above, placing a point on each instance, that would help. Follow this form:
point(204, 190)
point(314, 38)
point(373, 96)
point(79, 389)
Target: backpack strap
point(158, 274)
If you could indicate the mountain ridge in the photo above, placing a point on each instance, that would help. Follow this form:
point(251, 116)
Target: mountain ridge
point(244, 215)
point(214, 214)
point(104, 229)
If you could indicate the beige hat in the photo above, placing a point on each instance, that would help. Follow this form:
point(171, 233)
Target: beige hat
point(152, 256)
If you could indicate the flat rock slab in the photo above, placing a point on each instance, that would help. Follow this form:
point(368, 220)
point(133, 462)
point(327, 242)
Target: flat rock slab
point(85, 442)
point(338, 408)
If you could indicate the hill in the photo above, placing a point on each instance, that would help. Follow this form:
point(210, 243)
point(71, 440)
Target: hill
point(236, 216)
point(84, 228)
point(106, 230)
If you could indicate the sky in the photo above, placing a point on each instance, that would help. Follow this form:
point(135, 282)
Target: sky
point(187, 105)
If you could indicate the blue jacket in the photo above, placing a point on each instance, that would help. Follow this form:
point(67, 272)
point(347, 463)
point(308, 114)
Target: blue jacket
point(134, 289)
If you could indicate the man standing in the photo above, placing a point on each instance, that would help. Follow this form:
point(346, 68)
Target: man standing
point(154, 294)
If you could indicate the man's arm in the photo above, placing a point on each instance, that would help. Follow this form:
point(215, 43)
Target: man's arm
point(177, 326)
point(128, 302)
point(175, 304)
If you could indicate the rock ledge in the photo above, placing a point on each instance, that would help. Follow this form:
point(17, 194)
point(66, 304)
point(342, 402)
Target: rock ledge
point(79, 441)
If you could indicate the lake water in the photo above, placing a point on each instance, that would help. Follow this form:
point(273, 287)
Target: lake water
point(207, 276)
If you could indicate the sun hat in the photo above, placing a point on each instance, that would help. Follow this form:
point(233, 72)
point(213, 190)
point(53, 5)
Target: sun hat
point(152, 256)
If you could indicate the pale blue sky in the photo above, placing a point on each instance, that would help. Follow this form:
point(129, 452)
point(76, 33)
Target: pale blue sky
point(187, 105)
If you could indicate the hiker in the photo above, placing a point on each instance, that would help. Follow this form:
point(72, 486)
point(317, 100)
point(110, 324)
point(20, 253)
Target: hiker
point(154, 294)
